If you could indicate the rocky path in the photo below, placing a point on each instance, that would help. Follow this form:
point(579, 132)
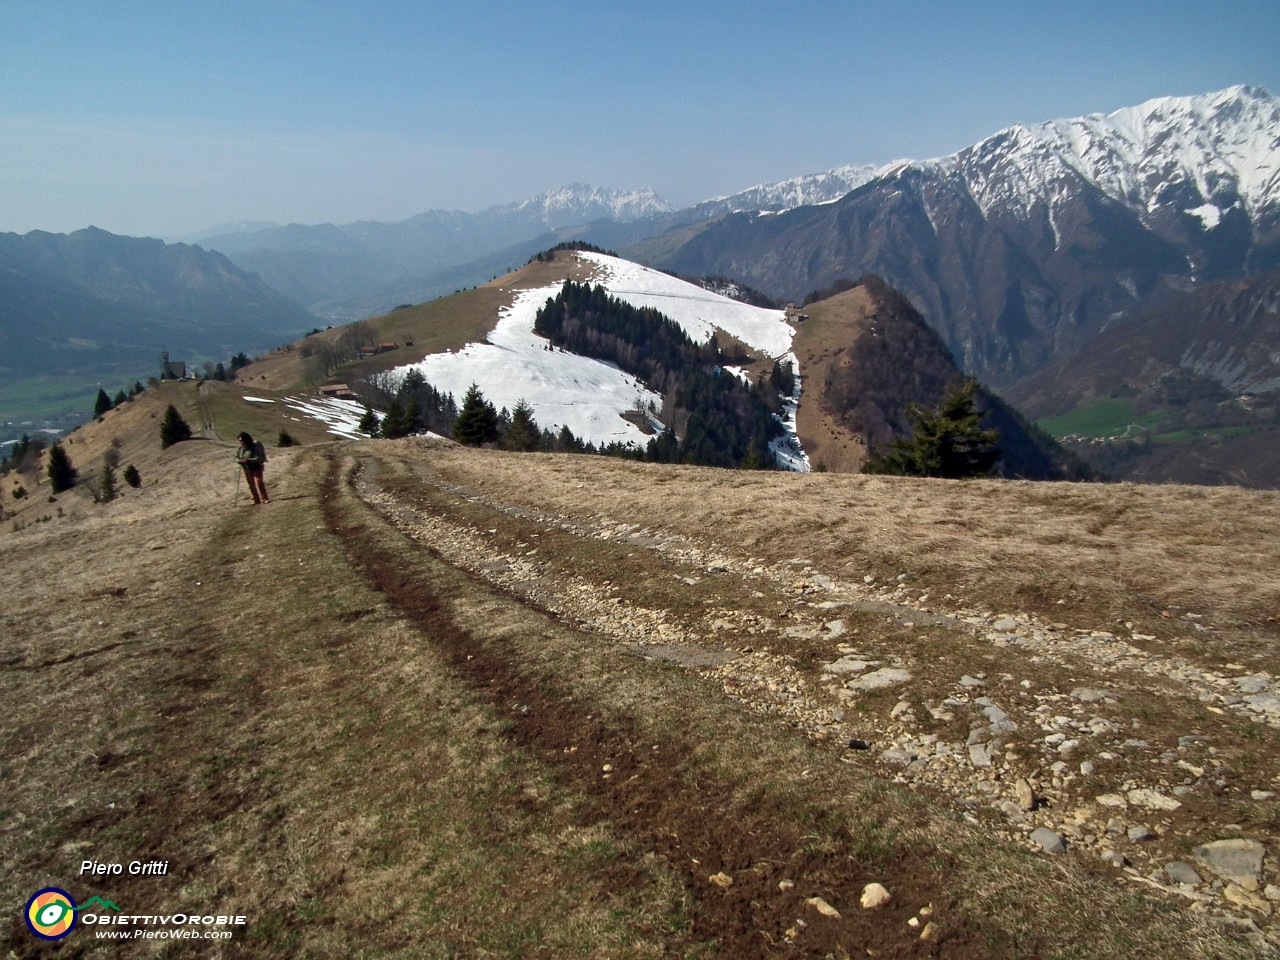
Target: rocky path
point(1073, 741)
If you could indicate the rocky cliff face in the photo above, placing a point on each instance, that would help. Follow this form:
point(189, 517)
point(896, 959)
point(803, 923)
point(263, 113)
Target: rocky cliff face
point(1226, 337)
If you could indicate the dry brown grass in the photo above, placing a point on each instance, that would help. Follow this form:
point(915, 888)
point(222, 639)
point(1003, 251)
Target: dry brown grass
point(1105, 551)
point(230, 688)
point(438, 326)
point(818, 341)
point(211, 685)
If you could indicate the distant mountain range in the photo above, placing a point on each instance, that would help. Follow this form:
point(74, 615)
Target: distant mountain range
point(1057, 261)
point(355, 270)
point(370, 262)
point(1022, 248)
point(1018, 249)
point(92, 305)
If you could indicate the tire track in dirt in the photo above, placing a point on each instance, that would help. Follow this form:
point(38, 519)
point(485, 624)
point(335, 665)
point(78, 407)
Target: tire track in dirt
point(1062, 664)
point(640, 786)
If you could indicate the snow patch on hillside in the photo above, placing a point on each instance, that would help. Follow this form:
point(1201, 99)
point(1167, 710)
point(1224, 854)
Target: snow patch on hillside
point(564, 389)
point(590, 396)
point(341, 417)
point(1208, 215)
point(699, 312)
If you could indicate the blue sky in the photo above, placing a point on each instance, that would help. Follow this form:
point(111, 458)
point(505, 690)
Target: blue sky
point(164, 118)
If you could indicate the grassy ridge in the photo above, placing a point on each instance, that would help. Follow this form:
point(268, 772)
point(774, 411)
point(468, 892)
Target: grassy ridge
point(322, 725)
point(300, 755)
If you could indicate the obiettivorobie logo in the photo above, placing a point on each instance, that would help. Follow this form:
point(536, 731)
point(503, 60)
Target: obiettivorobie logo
point(51, 913)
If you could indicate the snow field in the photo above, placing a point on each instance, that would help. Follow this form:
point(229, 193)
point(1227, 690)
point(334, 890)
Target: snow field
point(586, 395)
point(341, 417)
point(699, 312)
point(564, 389)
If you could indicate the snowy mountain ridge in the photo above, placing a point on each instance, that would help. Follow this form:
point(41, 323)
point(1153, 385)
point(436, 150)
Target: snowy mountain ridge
point(580, 202)
point(1202, 154)
point(590, 396)
point(803, 191)
point(1212, 150)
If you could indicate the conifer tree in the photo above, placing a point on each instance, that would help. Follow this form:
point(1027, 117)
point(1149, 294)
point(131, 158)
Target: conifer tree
point(477, 422)
point(949, 442)
point(397, 422)
point(102, 404)
point(173, 429)
point(107, 483)
point(131, 476)
point(369, 423)
point(62, 475)
point(522, 432)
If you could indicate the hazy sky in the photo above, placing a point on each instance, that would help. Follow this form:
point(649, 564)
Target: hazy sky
point(165, 118)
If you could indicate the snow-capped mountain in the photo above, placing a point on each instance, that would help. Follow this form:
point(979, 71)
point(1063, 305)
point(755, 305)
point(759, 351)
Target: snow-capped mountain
point(807, 190)
point(580, 203)
point(1021, 248)
point(1202, 155)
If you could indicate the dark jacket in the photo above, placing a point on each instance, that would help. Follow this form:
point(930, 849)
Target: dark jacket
point(252, 458)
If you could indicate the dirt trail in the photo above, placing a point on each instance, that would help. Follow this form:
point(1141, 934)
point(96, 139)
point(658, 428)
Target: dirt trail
point(1127, 752)
point(747, 868)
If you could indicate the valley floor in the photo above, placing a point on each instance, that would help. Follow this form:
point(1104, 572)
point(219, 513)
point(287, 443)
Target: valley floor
point(445, 703)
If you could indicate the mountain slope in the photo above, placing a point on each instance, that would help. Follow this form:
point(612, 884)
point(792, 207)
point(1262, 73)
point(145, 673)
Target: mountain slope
point(866, 356)
point(486, 337)
point(93, 307)
point(1023, 247)
point(1226, 334)
point(587, 395)
point(1189, 392)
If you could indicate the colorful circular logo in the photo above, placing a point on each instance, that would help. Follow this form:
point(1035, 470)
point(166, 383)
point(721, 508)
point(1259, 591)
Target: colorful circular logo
point(51, 913)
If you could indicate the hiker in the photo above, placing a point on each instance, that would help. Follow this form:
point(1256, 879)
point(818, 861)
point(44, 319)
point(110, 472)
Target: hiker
point(252, 456)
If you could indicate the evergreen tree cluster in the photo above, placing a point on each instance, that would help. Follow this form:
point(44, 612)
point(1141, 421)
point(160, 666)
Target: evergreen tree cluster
point(726, 424)
point(24, 455)
point(641, 340)
point(546, 256)
point(220, 371)
point(717, 420)
point(103, 403)
point(413, 406)
point(947, 442)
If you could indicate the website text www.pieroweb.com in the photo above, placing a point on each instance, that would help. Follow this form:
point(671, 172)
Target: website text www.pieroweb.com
point(52, 913)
